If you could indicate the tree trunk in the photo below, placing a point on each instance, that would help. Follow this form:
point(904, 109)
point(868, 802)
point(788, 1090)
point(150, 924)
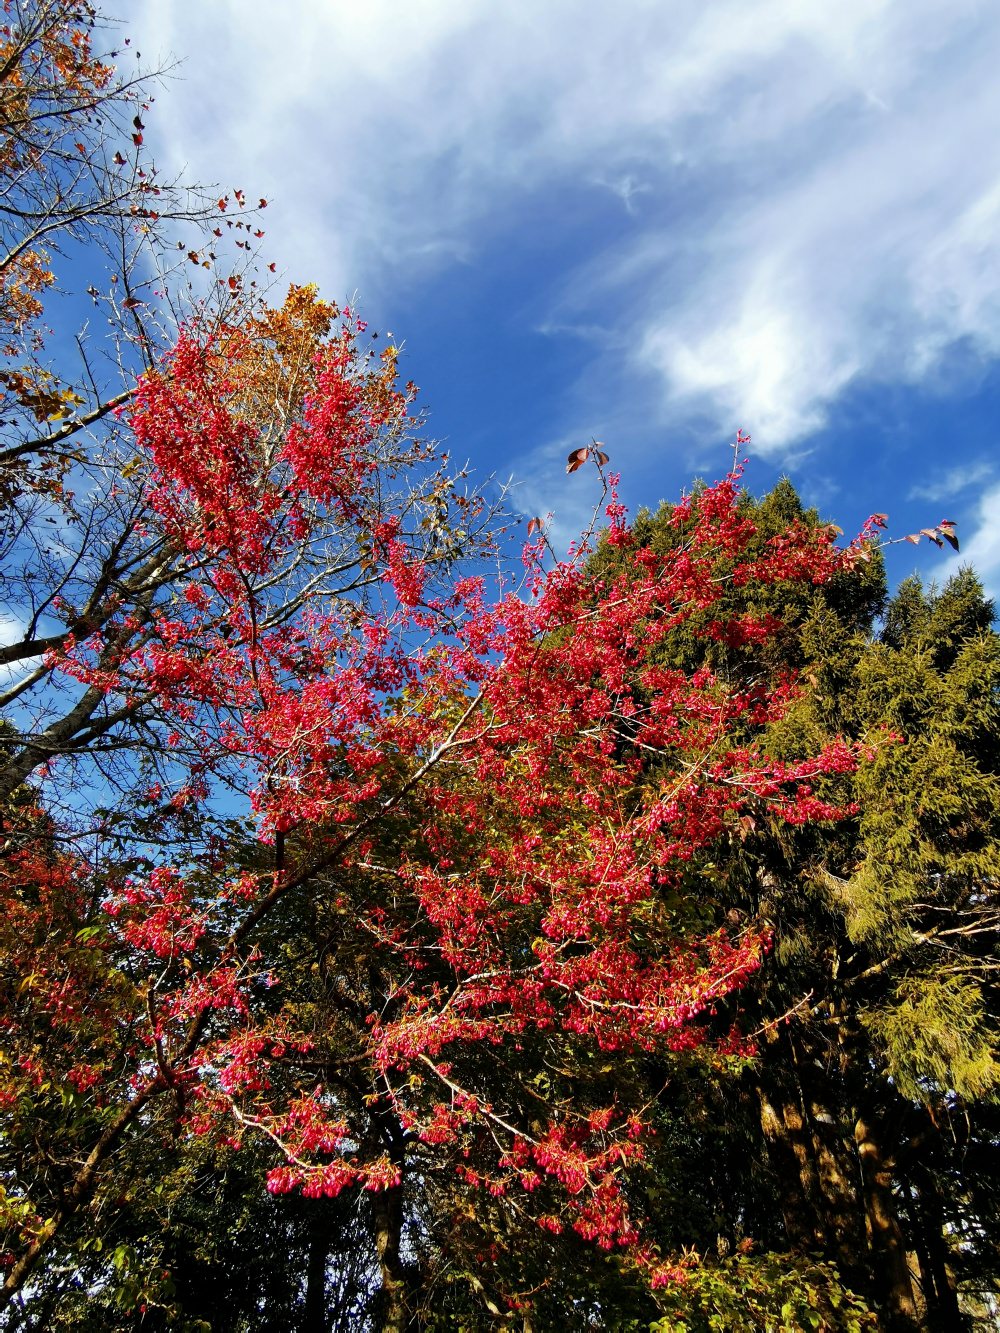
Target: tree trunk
point(927, 1217)
point(388, 1221)
point(393, 1309)
point(314, 1315)
point(788, 1148)
point(836, 1166)
point(811, 1147)
point(892, 1272)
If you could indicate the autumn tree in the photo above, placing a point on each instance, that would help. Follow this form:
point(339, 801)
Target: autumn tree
point(437, 788)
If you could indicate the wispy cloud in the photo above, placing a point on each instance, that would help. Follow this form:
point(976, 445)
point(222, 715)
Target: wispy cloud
point(955, 481)
point(812, 191)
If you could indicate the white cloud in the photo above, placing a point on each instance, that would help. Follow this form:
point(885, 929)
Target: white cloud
point(947, 485)
point(982, 549)
point(813, 190)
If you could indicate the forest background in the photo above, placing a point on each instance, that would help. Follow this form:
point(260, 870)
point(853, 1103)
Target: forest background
point(403, 928)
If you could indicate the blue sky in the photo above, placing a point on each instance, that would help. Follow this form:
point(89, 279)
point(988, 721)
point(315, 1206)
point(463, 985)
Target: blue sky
point(652, 223)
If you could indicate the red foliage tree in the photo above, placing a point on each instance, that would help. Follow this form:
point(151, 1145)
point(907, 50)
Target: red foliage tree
point(442, 798)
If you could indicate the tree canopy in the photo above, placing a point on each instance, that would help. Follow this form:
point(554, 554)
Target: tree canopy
point(394, 936)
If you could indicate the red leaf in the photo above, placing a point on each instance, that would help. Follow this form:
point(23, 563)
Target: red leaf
point(947, 530)
point(534, 525)
point(577, 459)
